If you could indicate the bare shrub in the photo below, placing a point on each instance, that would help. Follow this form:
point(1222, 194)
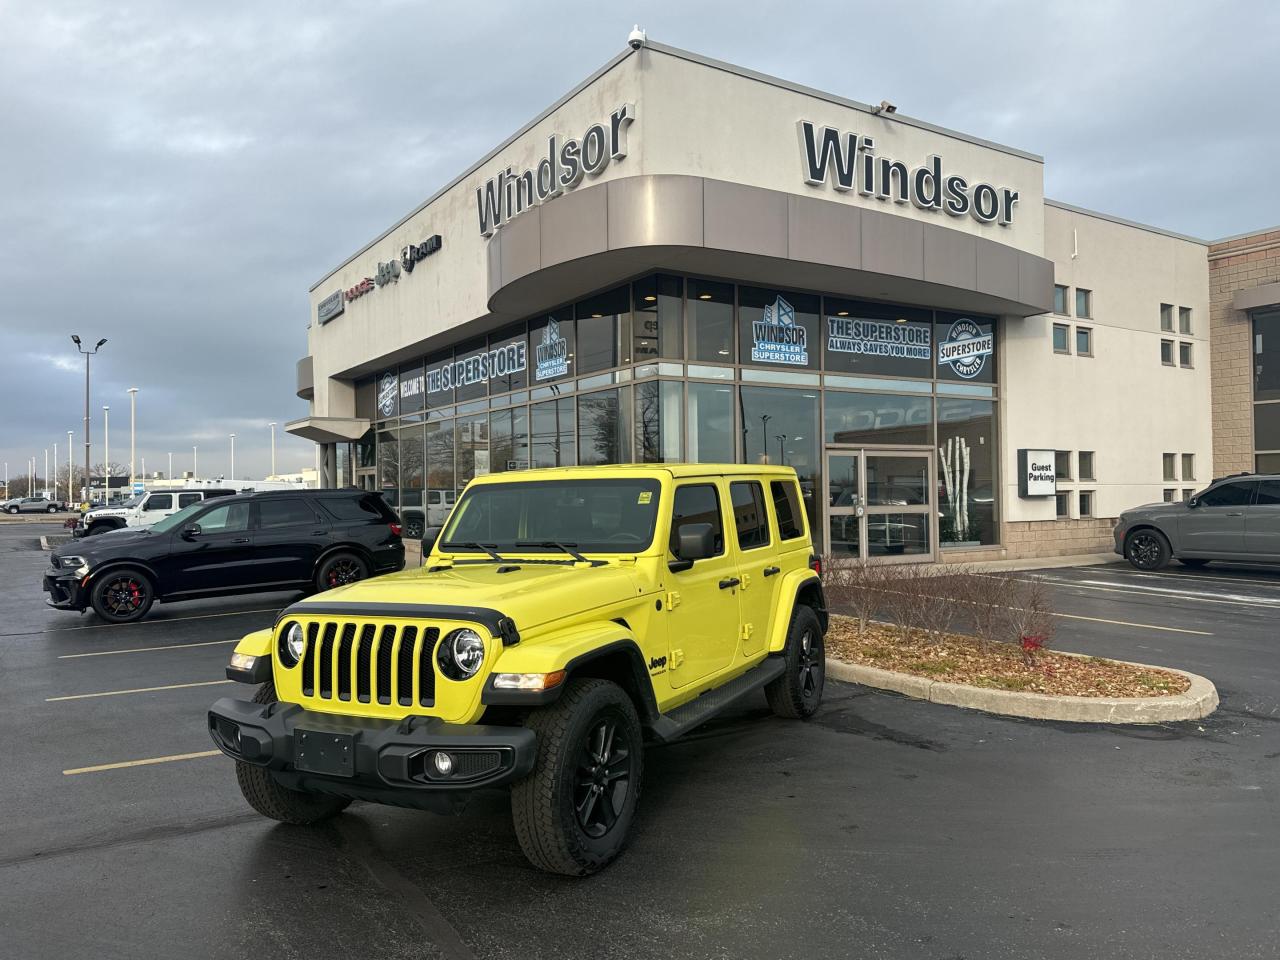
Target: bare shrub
point(987, 596)
point(855, 587)
point(925, 599)
point(1028, 617)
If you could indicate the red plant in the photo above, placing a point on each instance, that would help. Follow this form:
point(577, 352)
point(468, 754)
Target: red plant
point(1032, 644)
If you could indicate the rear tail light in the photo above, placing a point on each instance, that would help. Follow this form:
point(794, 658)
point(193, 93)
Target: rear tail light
point(395, 529)
point(815, 564)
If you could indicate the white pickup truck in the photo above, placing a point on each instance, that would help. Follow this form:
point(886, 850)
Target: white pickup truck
point(145, 509)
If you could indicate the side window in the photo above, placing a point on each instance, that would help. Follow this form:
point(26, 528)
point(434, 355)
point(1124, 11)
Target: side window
point(696, 503)
point(786, 504)
point(1228, 495)
point(1268, 493)
point(187, 499)
point(284, 513)
point(228, 518)
point(159, 501)
point(749, 514)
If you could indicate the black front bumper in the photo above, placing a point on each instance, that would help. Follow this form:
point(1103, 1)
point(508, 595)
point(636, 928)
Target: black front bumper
point(64, 590)
point(382, 761)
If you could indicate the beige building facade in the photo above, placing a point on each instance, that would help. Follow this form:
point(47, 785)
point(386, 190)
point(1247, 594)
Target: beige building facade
point(685, 260)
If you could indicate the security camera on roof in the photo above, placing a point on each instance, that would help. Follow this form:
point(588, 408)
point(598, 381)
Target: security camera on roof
point(636, 37)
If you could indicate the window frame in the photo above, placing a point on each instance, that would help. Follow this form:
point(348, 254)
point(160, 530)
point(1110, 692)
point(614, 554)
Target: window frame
point(1062, 505)
point(675, 497)
point(795, 504)
point(1166, 314)
point(1088, 336)
point(1251, 483)
point(757, 493)
point(1064, 455)
point(1083, 497)
point(1166, 344)
point(1065, 328)
point(1087, 295)
point(1185, 347)
point(256, 519)
point(1169, 467)
point(1066, 299)
point(1091, 474)
point(1184, 313)
point(1185, 460)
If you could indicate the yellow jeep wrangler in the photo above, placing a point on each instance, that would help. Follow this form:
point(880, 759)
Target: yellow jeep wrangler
point(561, 618)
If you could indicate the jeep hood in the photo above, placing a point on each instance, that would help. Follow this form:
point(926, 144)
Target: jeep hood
point(533, 594)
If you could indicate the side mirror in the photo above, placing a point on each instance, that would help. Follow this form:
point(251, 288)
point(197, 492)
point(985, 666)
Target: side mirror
point(1193, 502)
point(191, 531)
point(695, 542)
point(429, 537)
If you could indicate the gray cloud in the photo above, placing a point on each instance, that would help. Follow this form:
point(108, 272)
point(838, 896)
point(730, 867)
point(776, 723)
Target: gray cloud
point(175, 176)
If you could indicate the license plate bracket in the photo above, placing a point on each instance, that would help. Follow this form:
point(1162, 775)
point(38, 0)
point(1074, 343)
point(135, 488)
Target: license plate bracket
point(330, 754)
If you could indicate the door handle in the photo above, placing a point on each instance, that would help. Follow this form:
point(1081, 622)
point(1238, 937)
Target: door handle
point(240, 540)
point(729, 582)
point(1235, 513)
point(770, 571)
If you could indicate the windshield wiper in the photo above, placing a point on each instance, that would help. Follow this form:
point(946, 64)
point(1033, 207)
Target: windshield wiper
point(564, 547)
point(483, 547)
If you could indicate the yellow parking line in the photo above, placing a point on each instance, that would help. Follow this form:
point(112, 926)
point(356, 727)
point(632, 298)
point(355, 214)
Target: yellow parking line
point(116, 693)
point(141, 763)
point(171, 646)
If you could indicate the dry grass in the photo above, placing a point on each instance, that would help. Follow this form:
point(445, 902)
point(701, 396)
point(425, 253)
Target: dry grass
point(955, 658)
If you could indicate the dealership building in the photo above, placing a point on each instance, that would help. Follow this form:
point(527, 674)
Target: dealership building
point(684, 260)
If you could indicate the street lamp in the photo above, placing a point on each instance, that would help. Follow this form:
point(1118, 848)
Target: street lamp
point(233, 458)
point(273, 447)
point(169, 475)
point(195, 462)
point(106, 454)
point(71, 468)
point(87, 355)
point(133, 423)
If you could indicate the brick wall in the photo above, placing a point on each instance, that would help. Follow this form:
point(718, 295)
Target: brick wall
point(1058, 538)
point(1235, 265)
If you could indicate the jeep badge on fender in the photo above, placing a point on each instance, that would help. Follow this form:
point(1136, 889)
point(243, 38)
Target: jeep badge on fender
point(560, 620)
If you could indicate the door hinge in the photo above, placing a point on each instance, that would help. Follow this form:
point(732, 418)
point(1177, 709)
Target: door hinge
point(673, 599)
point(677, 658)
point(747, 630)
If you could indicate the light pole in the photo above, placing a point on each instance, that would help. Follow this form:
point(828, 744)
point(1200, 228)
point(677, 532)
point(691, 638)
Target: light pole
point(133, 424)
point(87, 354)
point(55, 472)
point(169, 475)
point(106, 454)
point(71, 467)
point(46, 471)
point(273, 447)
point(233, 458)
point(195, 462)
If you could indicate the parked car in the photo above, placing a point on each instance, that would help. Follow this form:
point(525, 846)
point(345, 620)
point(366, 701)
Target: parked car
point(248, 543)
point(1234, 518)
point(146, 509)
point(436, 512)
point(564, 617)
point(33, 505)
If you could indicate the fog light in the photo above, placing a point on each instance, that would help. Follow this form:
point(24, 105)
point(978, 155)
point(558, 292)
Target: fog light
point(444, 764)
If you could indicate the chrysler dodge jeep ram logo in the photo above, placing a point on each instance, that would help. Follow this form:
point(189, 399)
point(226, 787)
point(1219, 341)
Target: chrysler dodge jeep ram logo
point(966, 348)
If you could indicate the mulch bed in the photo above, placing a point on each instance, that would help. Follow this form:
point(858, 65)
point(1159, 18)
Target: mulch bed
point(954, 658)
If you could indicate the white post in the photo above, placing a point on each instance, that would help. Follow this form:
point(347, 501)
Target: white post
point(106, 454)
point(273, 448)
point(55, 472)
point(46, 472)
point(71, 468)
point(133, 423)
point(233, 458)
point(169, 475)
point(195, 462)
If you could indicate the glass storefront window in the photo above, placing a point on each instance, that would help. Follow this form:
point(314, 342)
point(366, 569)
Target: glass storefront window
point(659, 408)
point(509, 439)
point(437, 397)
point(964, 346)
point(602, 427)
point(1266, 355)
point(710, 321)
point(389, 466)
point(466, 357)
point(778, 328)
point(440, 469)
point(471, 441)
point(551, 346)
point(878, 418)
point(780, 426)
point(514, 376)
point(366, 451)
point(599, 321)
point(1266, 426)
point(412, 472)
point(966, 472)
point(877, 339)
point(413, 392)
point(656, 327)
point(710, 423)
point(551, 440)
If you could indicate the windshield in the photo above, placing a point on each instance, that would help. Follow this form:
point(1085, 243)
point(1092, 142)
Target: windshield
point(177, 520)
point(594, 516)
point(133, 501)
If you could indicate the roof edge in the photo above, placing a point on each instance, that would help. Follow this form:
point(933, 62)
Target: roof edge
point(1125, 223)
point(1261, 231)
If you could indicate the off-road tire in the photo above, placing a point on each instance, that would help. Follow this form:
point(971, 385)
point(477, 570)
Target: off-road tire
point(1147, 549)
point(280, 803)
point(98, 528)
point(52, 509)
point(797, 693)
point(345, 567)
point(542, 804)
point(107, 595)
point(1195, 563)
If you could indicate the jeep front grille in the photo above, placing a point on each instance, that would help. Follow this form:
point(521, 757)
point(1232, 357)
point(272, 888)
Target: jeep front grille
point(368, 662)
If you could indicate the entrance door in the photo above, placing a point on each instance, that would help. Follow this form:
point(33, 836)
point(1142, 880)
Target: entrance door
point(880, 504)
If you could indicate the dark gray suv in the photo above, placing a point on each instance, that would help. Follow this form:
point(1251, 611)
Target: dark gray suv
point(1235, 518)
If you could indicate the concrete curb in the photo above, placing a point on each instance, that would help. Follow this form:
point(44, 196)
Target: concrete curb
point(1200, 699)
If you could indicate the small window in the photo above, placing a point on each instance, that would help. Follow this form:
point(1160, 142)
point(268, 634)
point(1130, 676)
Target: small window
point(159, 501)
point(1062, 464)
point(749, 514)
point(1268, 493)
point(1184, 355)
point(1063, 506)
point(1188, 494)
point(696, 503)
point(1170, 496)
point(1170, 466)
point(1166, 352)
point(187, 499)
point(786, 505)
point(1184, 320)
point(1166, 317)
point(1084, 303)
point(1060, 300)
point(1236, 494)
point(1061, 338)
point(284, 513)
point(1084, 342)
point(1086, 465)
point(1086, 503)
point(1188, 466)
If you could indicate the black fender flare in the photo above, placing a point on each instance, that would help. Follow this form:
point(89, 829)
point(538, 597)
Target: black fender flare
point(97, 572)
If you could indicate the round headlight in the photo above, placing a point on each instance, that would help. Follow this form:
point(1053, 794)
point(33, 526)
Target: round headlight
point(461, 654)
point(292, 643)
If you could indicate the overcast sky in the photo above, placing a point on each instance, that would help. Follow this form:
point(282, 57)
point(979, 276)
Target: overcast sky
point(174, 176)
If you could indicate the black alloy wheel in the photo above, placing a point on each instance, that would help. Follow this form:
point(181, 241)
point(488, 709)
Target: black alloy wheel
point(340, 570)
point(812, 664)
point(603, 777)
point(1147, 550)
point(122, 596)
point(797, 693)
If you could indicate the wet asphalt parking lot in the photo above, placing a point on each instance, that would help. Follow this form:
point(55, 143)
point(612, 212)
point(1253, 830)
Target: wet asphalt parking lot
point(884, 828)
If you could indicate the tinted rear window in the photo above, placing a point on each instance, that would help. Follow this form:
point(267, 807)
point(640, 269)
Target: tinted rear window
point(368, 507)
point(786, 504)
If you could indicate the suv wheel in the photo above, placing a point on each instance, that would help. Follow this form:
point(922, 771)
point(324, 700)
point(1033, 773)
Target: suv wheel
point(797, 693)
point(52, 509)
point(280, 803)
point(339, 570)
point(572, 813)
point(122, 596)
point(13, 509)
point(1147, 549)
